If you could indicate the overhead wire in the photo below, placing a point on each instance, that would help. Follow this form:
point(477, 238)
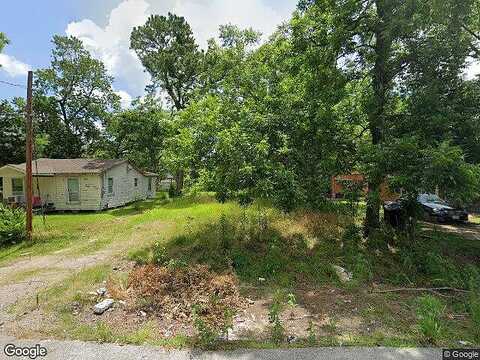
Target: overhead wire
point(12, 84)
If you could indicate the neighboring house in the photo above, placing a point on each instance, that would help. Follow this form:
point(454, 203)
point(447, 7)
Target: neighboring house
point(339, 182)
point(78, 184)
point(166, 182)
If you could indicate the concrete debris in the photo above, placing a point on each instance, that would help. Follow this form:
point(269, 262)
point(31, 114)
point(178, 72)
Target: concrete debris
point(342, 274)
point(102, 291)
point(103, 306)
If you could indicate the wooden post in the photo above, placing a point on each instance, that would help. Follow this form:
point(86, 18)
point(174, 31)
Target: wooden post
point(29, 140)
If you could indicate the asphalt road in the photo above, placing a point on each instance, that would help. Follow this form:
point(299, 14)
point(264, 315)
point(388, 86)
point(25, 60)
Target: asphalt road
point(66, 350)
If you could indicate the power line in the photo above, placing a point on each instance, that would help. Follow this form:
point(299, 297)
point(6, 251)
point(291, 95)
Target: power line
point(12, 84)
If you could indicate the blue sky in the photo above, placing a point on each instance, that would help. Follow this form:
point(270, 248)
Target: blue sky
point(105, 25)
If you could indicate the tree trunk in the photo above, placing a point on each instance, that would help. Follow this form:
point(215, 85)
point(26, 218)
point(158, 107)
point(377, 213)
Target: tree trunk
point(376, 116)
point(179, 181)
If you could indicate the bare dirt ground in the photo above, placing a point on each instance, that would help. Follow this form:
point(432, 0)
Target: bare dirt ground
point(468, 231)
point(24, 277)
point(41, 272)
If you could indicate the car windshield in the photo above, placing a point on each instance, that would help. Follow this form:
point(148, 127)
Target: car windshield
point(430, 198)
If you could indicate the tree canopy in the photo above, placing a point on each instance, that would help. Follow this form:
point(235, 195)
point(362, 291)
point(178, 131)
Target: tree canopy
point(73, 98)
point(373, 86)
point(167, 50)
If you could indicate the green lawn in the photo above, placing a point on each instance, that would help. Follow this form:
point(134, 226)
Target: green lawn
point(293, 252)
point(475, 219)
point(86, 232)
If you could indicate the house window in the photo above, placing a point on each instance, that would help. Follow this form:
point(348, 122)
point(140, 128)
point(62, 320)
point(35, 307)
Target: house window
point(73, 187)
point(110, 185)
point(135, 182)
point(149, 184)
point(17, 186)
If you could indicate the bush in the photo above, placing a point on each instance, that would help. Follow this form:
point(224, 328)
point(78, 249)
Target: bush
point(208, 333)
point(277, 331)
point(12, 225)
point(429, 313)
point(351, 240)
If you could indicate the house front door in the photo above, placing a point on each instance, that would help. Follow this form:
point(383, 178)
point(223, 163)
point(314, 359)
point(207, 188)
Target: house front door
point(73, 188)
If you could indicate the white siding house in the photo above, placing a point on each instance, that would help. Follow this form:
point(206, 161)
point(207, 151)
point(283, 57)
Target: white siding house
point(78, 184)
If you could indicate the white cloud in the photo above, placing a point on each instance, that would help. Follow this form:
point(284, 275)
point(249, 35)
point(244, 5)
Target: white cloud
point(12, 66)
point(111, 43)
point(473, 70)
point(125, 98)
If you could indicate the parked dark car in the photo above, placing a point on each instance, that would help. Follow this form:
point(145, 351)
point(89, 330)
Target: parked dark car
point(437, 209)
point(433, 207)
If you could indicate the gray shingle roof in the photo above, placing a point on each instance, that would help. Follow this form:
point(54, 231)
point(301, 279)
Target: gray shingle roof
point(69, 166)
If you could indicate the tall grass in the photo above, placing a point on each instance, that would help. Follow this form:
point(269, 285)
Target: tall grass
point(257, 242)
point(429, 314)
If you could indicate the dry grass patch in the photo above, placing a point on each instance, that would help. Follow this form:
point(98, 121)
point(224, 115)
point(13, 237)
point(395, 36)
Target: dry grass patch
point(181, 293)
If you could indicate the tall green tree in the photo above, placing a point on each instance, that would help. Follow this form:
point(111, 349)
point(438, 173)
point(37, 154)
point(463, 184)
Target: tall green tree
point(73, 98)
point(138, 134)
point(166, 47)
point(12, 132)
point(387, 43)
point(259, 126)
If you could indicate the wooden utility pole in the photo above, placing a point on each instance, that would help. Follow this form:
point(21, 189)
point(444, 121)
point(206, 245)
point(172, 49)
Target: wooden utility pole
point(29, 133)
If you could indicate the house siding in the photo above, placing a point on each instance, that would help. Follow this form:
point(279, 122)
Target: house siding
point(90, 192)
point(124, 190)
point(93, 188)
point(7, 174)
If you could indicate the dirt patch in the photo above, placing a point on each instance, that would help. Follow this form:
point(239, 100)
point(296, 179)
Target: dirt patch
point(468, 231)
point(62, 265)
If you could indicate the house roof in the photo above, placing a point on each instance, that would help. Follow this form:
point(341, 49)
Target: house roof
point(71, 166)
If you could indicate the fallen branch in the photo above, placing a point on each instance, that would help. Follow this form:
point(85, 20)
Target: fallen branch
point(421, 289)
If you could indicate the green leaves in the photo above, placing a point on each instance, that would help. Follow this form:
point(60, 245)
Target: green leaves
point(138, 134)
point(3, 41)
point(72, 97)
point(167, 50)
point(12, 132)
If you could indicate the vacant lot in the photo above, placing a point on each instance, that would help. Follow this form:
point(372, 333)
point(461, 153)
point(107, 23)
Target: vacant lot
point(192, 271)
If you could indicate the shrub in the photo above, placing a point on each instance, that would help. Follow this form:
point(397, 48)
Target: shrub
point(429, 313)
point(12, 225)
point(206, 334)
point(277, 331)
point(207, 331)
point(312, 336)
point(159, 254)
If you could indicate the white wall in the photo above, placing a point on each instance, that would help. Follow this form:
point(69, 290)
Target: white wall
point(90, 192)
point(93, 188)
point(124, 190)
